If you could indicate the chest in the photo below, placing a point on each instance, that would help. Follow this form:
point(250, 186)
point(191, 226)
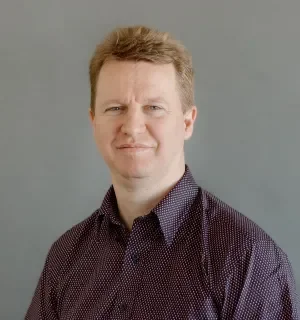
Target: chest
point(137, 282)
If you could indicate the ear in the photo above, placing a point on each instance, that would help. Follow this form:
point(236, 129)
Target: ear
point(189, 120)
point(92, 119)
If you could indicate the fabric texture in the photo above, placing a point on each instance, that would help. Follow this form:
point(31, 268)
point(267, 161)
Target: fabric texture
point(191, 257)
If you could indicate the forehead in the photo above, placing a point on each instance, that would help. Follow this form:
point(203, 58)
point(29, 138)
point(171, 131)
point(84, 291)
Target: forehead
point(118, 79)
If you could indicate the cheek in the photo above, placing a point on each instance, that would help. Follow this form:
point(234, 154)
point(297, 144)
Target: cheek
point(103, 137)
point(175, 129)
point(170, 136)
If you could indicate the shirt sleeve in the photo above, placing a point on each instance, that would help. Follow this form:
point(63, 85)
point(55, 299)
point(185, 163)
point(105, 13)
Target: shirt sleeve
point(262, 286)
point(43, 304)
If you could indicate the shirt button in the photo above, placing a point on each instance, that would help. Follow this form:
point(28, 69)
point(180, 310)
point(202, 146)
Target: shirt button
point(123, 307)
point(118, 238)
point(135, 258)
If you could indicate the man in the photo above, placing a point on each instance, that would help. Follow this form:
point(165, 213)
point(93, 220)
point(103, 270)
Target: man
point(159, 247)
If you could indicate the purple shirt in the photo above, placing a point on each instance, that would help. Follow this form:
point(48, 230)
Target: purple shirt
point(191, 257)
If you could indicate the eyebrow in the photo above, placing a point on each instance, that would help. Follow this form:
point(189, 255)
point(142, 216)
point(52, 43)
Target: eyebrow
point(111, 101)
point(156, 99)
point(147, 101)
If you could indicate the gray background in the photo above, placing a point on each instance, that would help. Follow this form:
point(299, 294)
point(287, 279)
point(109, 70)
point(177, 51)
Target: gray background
point(245, 147)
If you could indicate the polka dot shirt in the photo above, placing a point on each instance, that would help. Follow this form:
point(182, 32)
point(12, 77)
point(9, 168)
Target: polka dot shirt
point(191, 257)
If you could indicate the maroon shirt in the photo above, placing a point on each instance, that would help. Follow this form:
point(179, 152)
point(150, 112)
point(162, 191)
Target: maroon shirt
point(191, 257)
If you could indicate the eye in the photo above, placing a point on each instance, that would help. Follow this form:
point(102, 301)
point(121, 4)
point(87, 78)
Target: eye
point(113, 109)
point(155, 107)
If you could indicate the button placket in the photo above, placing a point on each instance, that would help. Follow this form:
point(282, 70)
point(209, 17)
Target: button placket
point(131, 270)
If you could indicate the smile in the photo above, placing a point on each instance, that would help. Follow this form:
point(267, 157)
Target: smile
point(135, 149)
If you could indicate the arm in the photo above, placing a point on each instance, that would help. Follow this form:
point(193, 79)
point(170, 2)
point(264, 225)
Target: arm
point(43, 304)
point(262, 286)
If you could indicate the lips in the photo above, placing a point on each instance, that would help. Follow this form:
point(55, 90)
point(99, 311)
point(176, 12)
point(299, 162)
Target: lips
point(133, 146)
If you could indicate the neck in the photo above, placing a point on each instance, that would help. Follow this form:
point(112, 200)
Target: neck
point(136, 199)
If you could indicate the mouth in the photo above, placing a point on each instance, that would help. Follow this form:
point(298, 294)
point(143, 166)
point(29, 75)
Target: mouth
point(133, 145)
point(134, 149)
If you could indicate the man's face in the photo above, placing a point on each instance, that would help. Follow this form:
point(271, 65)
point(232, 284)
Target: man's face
point(139, 103)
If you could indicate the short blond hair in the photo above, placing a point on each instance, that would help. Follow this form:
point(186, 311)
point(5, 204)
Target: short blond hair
point(141, 43)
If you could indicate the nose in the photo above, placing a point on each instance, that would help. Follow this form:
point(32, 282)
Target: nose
point(133, 122)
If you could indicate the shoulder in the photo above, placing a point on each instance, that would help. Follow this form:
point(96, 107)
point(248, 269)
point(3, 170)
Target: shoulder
point(72, 242)
point(245, 266)
point(231, 226)
point(229, 236)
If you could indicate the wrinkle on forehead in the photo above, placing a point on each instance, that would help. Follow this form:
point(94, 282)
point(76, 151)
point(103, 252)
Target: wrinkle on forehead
point(139, 81)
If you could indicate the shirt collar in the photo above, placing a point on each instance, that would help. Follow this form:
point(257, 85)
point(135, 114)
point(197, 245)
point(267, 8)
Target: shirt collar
point(174, 207)
point(171, 210)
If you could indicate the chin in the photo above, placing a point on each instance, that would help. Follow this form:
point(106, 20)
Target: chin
point(136, 171)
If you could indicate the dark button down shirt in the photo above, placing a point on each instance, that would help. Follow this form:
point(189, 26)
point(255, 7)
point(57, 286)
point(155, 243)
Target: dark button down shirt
point(191, 257)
